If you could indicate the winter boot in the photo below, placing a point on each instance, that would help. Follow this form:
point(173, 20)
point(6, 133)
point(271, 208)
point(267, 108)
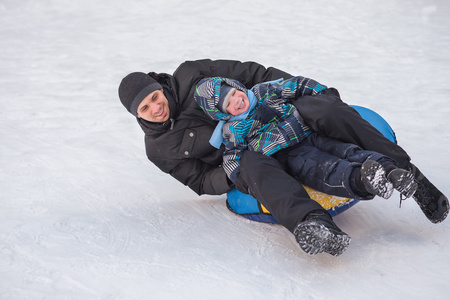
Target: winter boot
point(318, 234)
point(433, 203)
point(374, 179)
point(403, 181)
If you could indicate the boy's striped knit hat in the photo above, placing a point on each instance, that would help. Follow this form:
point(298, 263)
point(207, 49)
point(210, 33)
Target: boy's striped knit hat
point(225, 93)
point(211, 95)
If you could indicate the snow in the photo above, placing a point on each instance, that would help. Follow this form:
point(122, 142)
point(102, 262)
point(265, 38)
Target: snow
point(85, 215)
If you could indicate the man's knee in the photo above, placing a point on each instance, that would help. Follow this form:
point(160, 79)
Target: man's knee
point(331, 91)
point(255, 166)
point(252, 161)
point(319, 110)
point(248, 157)
point(247, 170)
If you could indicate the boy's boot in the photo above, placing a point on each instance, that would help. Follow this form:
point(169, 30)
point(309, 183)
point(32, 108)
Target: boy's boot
point(318, 233)
point(403, 181)
point(433, 203)
point(373, 176)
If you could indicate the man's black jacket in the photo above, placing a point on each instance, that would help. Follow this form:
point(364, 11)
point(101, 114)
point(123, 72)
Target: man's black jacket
point(180, 147)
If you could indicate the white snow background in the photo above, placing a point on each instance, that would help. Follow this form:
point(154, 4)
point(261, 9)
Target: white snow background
point(85, 215)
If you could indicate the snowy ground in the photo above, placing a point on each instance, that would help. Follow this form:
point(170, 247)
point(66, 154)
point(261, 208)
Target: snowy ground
point(84, 214)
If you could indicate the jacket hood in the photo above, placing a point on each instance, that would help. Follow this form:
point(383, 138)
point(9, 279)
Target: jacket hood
point(169, 85)
point(207, 95)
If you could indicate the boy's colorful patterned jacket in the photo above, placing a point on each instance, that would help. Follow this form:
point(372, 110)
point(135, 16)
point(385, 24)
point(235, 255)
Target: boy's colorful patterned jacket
point(271, 124)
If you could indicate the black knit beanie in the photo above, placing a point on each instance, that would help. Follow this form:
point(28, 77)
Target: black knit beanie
point(134, 88)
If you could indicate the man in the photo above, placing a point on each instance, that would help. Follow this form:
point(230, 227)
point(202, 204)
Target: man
point(177, 134)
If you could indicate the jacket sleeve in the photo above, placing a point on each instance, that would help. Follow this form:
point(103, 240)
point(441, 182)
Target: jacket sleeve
point(203, 176)
point(235, 134)
point(248, 73)
point(200, 177)
point(232, 163)
point(294, 87)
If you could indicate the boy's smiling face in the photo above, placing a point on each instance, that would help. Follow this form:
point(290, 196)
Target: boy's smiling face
point(237, 103)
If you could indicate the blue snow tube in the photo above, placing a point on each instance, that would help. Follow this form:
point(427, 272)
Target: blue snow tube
point(250, 208)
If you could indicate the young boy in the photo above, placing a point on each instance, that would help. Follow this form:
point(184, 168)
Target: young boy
point(262, 119)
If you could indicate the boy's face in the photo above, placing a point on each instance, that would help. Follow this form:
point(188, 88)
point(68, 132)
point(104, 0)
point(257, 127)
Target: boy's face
point(237, 103)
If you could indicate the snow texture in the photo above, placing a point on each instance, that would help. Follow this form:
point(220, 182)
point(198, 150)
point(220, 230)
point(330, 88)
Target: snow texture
point(85, 215)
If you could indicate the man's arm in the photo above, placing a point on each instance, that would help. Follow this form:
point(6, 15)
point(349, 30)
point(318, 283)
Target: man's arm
point(248, 73)
point(200, 177)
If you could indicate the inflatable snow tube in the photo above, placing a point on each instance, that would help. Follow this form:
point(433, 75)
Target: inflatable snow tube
point(248, 207)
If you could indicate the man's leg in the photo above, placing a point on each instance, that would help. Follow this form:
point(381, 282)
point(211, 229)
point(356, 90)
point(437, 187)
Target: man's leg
point(329, 116)
point(265, 179)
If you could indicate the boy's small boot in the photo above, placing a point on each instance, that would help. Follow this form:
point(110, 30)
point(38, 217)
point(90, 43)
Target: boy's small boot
point(318, 233)
point(403, 181)
point(373, 176)
point(433, 203)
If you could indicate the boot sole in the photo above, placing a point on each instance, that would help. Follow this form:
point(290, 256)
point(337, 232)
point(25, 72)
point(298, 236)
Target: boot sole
point(404, 183)
point(315, 238)
point(440, 214)
point(375, 181)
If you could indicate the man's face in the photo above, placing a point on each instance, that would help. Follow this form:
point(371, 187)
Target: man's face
point(237, 103)
point(154, 107)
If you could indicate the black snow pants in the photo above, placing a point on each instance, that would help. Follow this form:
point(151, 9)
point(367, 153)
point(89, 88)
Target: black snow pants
point(265, 178)
point(328, 115)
